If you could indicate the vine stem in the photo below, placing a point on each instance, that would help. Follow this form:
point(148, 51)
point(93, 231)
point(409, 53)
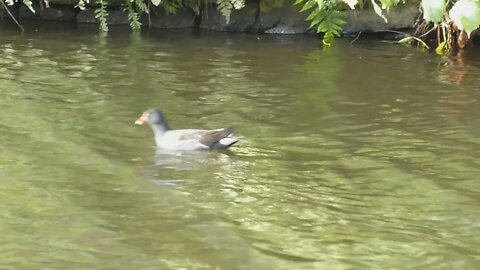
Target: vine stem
point(356, 38)
point(149, 18)
point(428, 32)
point(11, 16)
point(393, 31)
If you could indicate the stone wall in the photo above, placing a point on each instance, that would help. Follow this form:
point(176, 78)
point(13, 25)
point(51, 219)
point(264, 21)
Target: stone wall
point(253, 18)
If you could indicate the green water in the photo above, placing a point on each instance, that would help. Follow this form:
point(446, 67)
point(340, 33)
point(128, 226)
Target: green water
point(362, 156)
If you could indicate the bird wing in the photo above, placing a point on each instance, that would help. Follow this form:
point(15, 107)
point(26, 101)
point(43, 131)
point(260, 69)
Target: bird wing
point(205, 137)
point(211, 137)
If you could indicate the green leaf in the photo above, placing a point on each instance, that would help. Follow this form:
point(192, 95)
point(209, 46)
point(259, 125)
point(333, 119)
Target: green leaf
point(81, 4)
point(328, 39)
point(225, 7)
point(238, 4)
point(172, 6)
point(308, 5)
point(433, 10)
point(101, 14)
point(133, 16)
point(441, 48)
point(141, 5)
point(466, 15)
point(28, 3)
point(156, 2)
point(386, 4)
point(314, 14)
point(378, 10)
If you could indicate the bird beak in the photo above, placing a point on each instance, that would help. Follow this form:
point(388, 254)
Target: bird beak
point(142, 119)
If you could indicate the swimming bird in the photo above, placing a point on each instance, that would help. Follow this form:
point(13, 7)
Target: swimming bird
point(185, 139)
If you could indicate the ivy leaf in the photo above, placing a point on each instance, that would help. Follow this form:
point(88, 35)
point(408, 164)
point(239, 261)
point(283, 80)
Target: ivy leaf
point(28, 3)
point(238, 4)
point(433, 10)
point(81, 5)
point(156, 2)
point(378, 10)
point(324, 15)
point(466, 15)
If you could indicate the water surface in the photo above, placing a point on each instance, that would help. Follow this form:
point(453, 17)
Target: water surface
point(360, 156)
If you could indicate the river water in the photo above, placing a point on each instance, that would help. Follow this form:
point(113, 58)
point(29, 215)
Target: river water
point(359, 156)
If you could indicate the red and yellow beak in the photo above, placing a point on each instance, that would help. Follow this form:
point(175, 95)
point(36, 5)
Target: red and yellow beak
point(142, 119)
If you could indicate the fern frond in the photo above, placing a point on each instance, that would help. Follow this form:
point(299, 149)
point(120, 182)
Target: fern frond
point(101, 14)
point(238, 4)
point(141, 5)
point(225, 7)
point(325, 16)
point(172, 6)
point(133, 16)
point(332, 22)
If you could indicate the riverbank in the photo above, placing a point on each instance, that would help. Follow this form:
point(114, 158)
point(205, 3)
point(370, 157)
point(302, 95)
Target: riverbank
point(253, 18)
